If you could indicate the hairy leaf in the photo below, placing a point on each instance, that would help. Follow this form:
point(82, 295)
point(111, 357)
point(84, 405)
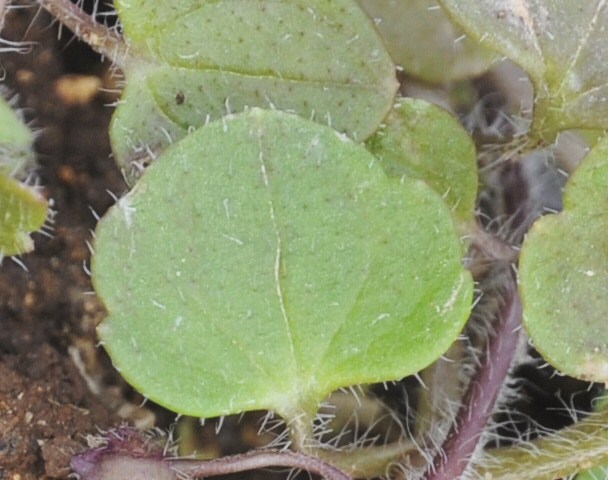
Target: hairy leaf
point(601, 472)
point(266, 260)
point(421, 140)
point(413, 28)
point(562, 46)
point(193, 61)
point(22, 211)
point(15, 142)
point(564, 275)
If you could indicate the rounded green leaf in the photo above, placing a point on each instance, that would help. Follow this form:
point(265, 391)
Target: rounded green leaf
point(421, 140)
point(266, 260)
point(412, 29)
point(562, 46)
point(22, 211)
point(191, 62)
point(564, 275)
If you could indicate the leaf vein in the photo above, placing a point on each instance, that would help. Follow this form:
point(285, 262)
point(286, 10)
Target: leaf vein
point(277, 258)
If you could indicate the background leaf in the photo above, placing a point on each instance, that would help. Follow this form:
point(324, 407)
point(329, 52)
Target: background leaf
point(413, 28)
point(16, 141)
point(421, 140)
point(564, 275)
point(22, 211)
point(597, 473)
point(562, 46)
point(194, 61)
point(266, 260)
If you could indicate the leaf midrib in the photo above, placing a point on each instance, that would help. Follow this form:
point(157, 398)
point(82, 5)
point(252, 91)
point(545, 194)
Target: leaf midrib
point(161, 105)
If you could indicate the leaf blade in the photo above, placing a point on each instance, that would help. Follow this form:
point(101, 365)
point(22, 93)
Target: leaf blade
point(421, 140)
point(322, 60)
point(563, 70)
point(15, 142)
point(413, 28)
point(273, 240)
point(564, 289)
point(22, 211)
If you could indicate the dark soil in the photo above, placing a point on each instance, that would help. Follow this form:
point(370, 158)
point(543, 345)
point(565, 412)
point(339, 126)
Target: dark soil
point(47, 316)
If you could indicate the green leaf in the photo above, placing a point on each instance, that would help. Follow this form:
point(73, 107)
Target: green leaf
point(562, 46)
point(413, 28)
point(22, 211)
point(15, 142)
point(193, 61)
point(601, 472)
point(421, 140)
point(266, 260)
point(564, 275)
point(597, 473)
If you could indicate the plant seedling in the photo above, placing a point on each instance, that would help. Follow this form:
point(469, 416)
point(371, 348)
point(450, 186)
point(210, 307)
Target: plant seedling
point(267, 256)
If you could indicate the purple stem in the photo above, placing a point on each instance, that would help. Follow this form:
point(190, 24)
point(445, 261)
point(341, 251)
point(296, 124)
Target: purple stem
point(257, 459)
point(480, 398)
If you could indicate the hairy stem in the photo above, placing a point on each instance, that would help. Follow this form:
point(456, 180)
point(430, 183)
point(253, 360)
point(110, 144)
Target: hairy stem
point(257, 459)
point(300, 430)
point(443, 384)
point(492, 247)
point(99, 37)
point(482, 393)
point(560, 454)
point(369, 462)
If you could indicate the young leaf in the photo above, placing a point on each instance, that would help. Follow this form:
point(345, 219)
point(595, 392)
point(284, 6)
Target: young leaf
point(564, 275)
point(414, 28)
point(562, 46)
point(421, 140)
point(266, 260)
point(192, 61)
